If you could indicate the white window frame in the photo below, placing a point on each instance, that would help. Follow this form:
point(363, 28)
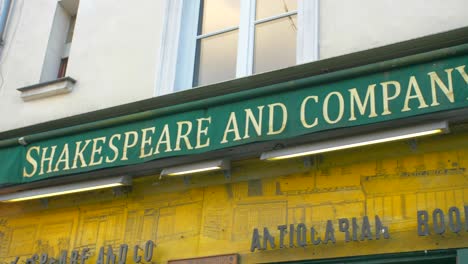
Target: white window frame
point(176, 63)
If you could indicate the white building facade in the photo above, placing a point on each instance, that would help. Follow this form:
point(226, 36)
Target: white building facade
point(124, 52)
point(233, 131)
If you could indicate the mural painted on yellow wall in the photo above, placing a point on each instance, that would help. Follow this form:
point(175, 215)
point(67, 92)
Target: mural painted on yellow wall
point(210, 216)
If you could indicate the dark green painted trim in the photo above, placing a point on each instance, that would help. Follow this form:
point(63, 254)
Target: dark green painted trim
point(397, 50)
point(244, 95)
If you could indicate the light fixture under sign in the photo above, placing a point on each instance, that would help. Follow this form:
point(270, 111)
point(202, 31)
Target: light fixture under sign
point(66, 189)
point(357, 141)
point(204, 166)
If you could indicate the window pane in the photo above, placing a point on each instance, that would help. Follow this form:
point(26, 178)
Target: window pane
point(216, 58)
point(275, 44)
point(219, 14)
point(63, 68)
point(269, 8)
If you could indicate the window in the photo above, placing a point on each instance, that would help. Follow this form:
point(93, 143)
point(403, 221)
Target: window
point(217, 37)
point(275, 28)
point(63, 68)
point(60, 39)
point(270, 32)
point(210, 41)
point(64, 61)
point(53, 79)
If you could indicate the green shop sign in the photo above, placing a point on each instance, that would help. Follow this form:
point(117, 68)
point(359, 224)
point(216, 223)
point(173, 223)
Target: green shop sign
point(398, 93)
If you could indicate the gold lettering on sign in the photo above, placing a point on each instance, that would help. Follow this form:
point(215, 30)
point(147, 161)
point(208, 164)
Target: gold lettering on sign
point(183, 136)
point(63, 158)
point(114, 148)
point(49, 159)
point(446, 89)
point(303, 112)
point(328, 106)
point(356, 100)
point(127, 143)
point(386, 98)
point(97, 149)
point(79, 154)
point(256, 123)
point(461, 70)
point(146, 141)
point(271, 121)
point(31, 161)
point(164, 138)
point(413, 85)
point(231, 127)
point(340, 107)
point(202, 129)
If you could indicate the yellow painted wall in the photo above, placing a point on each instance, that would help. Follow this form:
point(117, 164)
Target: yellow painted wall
point(211, 216)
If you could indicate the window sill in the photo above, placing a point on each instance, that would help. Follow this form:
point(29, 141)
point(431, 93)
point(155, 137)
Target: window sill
point(47, 89)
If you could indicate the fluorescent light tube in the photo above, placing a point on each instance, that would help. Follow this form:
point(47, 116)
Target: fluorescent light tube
point(203, 166)
point(66, 189)
point(357, 141)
